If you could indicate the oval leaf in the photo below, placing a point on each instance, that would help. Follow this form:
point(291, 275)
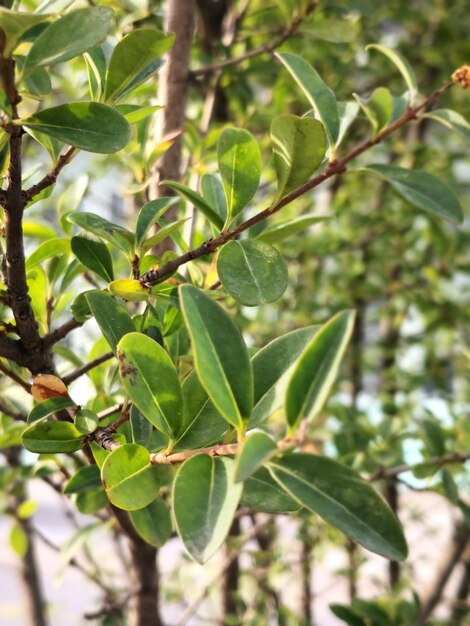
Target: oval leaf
point(253, 272)
point(134, 59)
point(129, 289)
point(115, 234)
point(49, 407)
point(197, 200)
point(73, 34)
point(256, 449)
point(239, 160)
point(205, 499)
point(281, 231)
point(343, 499)
point(148, 215)
point(150, 379)
point(401, 64)
point(450, 119)
point(320, 96)
point(94, 255)
point(153, 522)
point(15, 24)
point(213, 193)
point(52, 437)
point(422, 190)
point(317, 368)
point(299, 146)
point(220, 355)
point(86, 125)
point(85, 478)
point(262, 493)
point(111, 316)
point(130, 480)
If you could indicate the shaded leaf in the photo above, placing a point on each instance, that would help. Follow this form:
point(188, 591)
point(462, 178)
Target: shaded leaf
point(281, 231)
point(46, 250)
point(153, 522)
point(49, 407)
point(15, 24)
point(197, 200)
point(213, 193)
point(99, 226)
point(262, 493)
point(111, 316)
point(401, 64)
point(450, 119)
point(85, 478)
point(94, 255)
point(148, 215)
point(256, 449)
point(52, 437)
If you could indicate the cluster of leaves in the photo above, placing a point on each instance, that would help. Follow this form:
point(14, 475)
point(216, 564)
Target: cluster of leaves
point(226, 401)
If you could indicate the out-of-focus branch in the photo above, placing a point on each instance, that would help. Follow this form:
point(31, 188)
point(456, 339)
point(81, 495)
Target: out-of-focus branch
point(87, 367)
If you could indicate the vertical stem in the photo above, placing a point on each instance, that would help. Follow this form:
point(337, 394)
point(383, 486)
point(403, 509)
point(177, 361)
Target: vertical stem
point(230, 605)
point(351, 548)
point(391, 495)
point(306, 565)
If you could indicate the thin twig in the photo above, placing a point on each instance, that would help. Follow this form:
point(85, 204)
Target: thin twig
point(19, 381)
point(267, 48)
point(10, 412)
point(155, 276)
point(439, 461)
point(61, 332)
point(49, 179)
point(87, 367)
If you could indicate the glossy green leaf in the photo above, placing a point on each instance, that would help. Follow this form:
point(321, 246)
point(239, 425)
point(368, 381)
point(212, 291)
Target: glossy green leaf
point(450, 119)
point(220, 354)
point(99, 226)
point(46, 250)
point(96, 68)
point(141, 428)
point(347, 112)
point(343, 499)
point(94, 255)
point(71, 35)
point(85, 478)
point(15, 24)
point(317, 368)
point(129, 289)
point(111, 316)
point(150, 379)
point(197, 200)
point(86, 421)
point(37, 285)
point(52, 437)
point(213, 193)
point(131, 482)
point(203, 424)
point(378, 108)
point(38, 81)
point(89, 126)
point(422, 190)
point(153, 522)
point(320, 96)
point(148, 215)
point(252, 272)
point(205, 499)
point(91, 501)
point(49, 407)
point(262, 493)
point(299, 146)
point(162, 234)
point(239, 160)
point(134, 59)
point(257, 448)
point(401, 64)
point(134, 113)
point(281, 231)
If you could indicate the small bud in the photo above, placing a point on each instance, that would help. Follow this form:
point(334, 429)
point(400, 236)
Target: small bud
point(462, 76)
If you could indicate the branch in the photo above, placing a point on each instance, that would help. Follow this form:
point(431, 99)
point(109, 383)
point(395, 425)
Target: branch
point(19, 381)
point(268, 48)
point(10, 412)
point(87, 367)
point(155, 276)
point(439, 461)
point(49, 179)
point(61, 332)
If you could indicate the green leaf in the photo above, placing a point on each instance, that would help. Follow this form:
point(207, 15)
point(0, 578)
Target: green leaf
point(96, 68)
point(281, 231)
point(52, 437)
point(117, 235)
point(197, 200)
point(450, 119)
point(94, 255)
point(18, 540)
point(343, 499)
point(205, 499)
point(85, 478)
point(37, 285)
point(148, 215)
point(213, 193)
point(334, 30)
point(15, 24)
point(131, 482)
point(253, 272)
point(38, 81)
point(91, 501)
point(86, 421)
point(74, 33)
point(299, 146)
point(378, 108)
point(422, 190)
point(203, 424)
point(150, 379)
point(262, 493)
point(257, 448)
point(49, 407)
point(220, 354)
point(401, 64)
point(345, 614)
point(239, 160)
point(320, 96)
point(89, 126)
point(134, 59)
point(162, 233)
point(141, 428)
point(153, 522)
point(272, 368)
point(317, 368)
point(111, 316)
point(53, 247)
point(134, 113)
